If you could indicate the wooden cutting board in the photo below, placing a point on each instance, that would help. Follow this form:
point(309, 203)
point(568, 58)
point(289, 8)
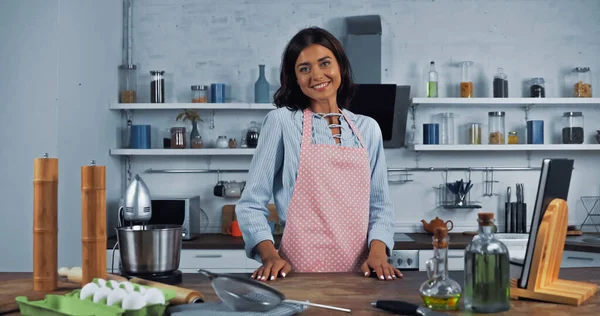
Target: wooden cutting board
point(228, 216)
point(9, 290)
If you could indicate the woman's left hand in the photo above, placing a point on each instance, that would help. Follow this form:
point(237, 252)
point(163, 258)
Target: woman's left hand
point(377, 261)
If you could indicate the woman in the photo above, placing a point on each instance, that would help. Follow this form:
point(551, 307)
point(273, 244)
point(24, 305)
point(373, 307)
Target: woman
point(325, 168)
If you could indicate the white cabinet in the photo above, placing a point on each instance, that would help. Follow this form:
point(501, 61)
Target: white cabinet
point(577, 259)
point(216, 260)
point(456, 259)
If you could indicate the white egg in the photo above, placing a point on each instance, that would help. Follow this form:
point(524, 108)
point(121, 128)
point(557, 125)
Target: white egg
point(154, 296)
point(101, 294)
point(101, 282)
point(113, 284)
point(64, 271)
point(142, 290)
point(88, 290)
point(128, 286)
point(133, 301)
point(117, 295)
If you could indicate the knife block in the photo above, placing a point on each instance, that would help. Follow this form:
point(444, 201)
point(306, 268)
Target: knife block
point(543, 283)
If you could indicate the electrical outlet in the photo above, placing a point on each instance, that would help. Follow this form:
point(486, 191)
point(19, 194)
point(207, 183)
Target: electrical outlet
point(405, 259)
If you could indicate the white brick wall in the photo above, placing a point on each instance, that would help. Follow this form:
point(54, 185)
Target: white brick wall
point(201, 42)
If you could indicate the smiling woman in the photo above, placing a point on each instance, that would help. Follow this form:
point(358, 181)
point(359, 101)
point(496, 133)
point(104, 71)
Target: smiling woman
point(325, 168)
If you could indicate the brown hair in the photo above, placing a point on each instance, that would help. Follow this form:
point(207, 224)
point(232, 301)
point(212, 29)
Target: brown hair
point(289, 94)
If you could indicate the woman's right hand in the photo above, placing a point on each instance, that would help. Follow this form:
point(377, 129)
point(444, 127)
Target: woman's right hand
point(271, 268)
point(272, 264)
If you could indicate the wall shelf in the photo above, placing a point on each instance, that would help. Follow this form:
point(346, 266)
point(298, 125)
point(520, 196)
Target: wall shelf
point(504, 101)
point(198, 106)
point(183, 152)
point(517, 147)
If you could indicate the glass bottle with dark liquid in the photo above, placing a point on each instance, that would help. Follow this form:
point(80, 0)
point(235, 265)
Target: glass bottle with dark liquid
point(252, 135)
point(440, 292)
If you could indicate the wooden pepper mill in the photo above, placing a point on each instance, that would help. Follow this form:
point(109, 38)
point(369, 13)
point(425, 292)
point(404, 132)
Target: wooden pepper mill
point(93, 222)
point(45, 224)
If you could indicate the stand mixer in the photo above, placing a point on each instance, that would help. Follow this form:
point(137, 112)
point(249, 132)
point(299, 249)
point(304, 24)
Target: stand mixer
point(150, 252)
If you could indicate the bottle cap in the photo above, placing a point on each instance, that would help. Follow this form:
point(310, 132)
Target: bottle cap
point(486, 218)
point(439, 237)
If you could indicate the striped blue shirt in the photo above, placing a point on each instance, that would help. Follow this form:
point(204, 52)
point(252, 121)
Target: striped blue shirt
point(274, 168)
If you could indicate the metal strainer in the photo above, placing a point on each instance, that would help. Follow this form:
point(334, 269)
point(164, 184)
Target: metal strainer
point(247, 295)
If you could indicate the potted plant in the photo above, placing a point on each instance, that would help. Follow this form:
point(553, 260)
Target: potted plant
point(194, 117)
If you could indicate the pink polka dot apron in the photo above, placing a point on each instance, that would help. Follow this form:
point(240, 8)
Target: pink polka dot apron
point(328, 216)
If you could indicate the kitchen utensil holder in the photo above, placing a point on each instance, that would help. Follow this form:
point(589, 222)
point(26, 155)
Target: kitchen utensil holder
point(543, 283)
point(448, 200)
point(489, 182)
point(591, 204)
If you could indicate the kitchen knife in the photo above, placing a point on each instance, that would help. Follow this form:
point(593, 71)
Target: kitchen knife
point(404, 308)
point(507, 212)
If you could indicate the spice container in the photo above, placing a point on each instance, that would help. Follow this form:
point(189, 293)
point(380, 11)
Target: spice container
point(537, 88)
point(127, 83)
point(500, 84)
point(474, 134)
point(447, 129)
point(232, 143)
point(222, 142)
point(252, 135)
point(513, 138)
point(466, 85)
point(199, 94)
point(244, 144)
point(178, 137)
point(583, 86)
point(572, 132)
point(157, 86)
point(496, 127)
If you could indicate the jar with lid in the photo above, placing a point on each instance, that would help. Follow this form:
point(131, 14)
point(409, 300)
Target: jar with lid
point(537, 88)
point(500, 84)
point(127, 83)
point(474, 134)
point(252, 135)
point(178, 137)
point(513, 138)
point(447, 129)
point(157, 86)
point(199, 94)
point(222, 142)
point(496, 127)
point(232, 143)
point(466, 84)
point(572, 131)
point(583, 84)
point(196, 142)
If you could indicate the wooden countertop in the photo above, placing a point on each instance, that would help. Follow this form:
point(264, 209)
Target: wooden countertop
point(421, 241)
point(344, 290)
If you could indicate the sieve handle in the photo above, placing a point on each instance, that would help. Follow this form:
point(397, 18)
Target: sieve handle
point(318, 305)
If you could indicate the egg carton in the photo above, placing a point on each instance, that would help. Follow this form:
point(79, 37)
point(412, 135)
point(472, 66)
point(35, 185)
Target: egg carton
point(71, 304)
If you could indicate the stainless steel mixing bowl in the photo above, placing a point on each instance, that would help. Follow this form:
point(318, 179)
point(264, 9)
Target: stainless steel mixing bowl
point(149, 248)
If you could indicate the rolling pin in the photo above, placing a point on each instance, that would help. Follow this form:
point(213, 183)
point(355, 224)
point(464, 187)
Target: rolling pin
point(75, 275)
point(182, 295)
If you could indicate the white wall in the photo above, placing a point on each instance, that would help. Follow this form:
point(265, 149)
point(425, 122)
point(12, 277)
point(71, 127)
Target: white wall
point(57, 76)
point(202, 42)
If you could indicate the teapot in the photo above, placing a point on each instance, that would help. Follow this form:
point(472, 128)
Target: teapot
point(437, 222)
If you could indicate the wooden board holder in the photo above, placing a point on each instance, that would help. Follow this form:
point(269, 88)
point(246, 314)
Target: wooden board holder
point(543, 283)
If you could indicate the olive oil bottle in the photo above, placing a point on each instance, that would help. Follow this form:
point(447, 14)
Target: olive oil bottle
point(432, 82)
point(440, 292)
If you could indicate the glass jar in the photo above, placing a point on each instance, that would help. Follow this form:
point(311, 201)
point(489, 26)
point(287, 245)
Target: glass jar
point(500, 84)
point(447, 129)
point(440, 292)
point(232, 143)
point(466, 84)
point(157, 86)
point(572, 131)
point(127, 83)
point(474, 134)
point(513, 138)
point(496, 127)
point(196, 142)
point(583, 84)
point(199, 94)
point(243, 144)
point(178, 137)
point(252, 135)
point(537, 88)
point(487, 270)
point(222, 142)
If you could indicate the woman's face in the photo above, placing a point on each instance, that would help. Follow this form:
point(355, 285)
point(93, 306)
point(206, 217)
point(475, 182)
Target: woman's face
point(318, 73)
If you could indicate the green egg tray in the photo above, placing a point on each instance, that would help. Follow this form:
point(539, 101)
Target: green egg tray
point(70, 305)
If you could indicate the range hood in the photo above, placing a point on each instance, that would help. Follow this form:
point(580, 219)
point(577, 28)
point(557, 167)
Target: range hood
point(388, 104)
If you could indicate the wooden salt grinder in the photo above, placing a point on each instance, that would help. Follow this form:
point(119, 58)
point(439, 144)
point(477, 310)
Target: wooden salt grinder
point(45, 224)
point(93, 222)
